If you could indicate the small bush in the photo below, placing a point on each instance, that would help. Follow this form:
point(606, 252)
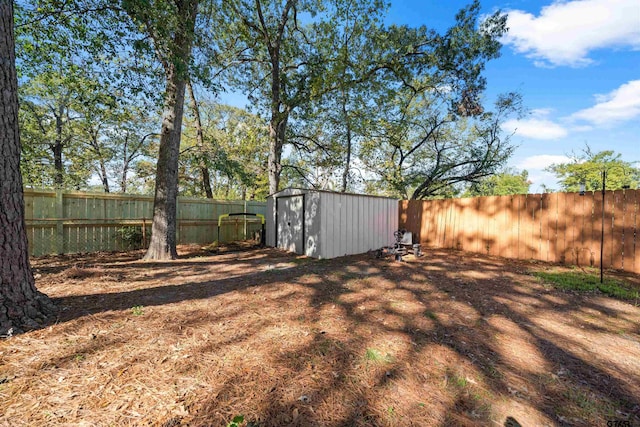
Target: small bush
point(131, 237)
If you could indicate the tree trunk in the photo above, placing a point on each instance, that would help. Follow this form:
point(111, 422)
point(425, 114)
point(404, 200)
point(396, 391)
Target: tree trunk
point(277, 129)
point(206, 181)
point(22, 307)
point(279, 114)
point(347, 161)
point(57, 152)
point(163, 241)
point(104, 176)
point(275, 154)
point(163, 228)
point(103, 167)
point(125, 166)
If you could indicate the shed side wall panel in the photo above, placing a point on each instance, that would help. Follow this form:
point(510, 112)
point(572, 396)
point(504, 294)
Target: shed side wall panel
point(339, 224)
point(352, 224)
point(313, 219)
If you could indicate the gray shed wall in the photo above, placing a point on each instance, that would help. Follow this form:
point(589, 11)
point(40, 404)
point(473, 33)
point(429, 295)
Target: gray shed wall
point(337, 224)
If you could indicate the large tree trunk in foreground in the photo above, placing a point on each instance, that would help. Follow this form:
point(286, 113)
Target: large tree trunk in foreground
point(176, 64)
point(22, 307)
point(163, 229)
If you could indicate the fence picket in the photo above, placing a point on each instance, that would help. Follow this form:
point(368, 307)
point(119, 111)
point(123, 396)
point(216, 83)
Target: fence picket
point(630, 230)
point(617, 232)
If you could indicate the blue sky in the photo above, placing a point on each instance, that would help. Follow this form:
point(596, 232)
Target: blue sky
point(577, 65)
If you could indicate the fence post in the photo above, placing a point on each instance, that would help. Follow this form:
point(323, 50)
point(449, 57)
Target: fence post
point(60, 249)
point(244, 217)
point(177, 219)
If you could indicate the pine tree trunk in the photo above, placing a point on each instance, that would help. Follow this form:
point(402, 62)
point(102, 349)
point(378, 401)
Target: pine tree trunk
point(56, 149)
point(347, 160)
point(277, 139)
point(22, 307)
point(204, 170)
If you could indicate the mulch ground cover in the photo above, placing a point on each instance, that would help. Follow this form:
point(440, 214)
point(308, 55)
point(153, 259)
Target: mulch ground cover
point(450, 338)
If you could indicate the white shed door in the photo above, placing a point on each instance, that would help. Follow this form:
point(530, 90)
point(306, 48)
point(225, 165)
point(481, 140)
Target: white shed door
point(290, 222)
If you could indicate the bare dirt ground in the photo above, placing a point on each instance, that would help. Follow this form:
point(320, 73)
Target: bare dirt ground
point(451, 338)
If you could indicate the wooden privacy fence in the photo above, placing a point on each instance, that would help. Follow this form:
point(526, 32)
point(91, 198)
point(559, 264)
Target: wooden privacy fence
point(68, 222)
point(555, 227)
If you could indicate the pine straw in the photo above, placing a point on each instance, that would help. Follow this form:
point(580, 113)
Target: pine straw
point(448, 339)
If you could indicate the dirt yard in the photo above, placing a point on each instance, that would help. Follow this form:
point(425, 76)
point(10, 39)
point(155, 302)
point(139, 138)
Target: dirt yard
point(449, 339)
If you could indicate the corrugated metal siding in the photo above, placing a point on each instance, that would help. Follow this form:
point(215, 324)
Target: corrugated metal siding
point(353, 224)
point(338, 224)
point(270, 224)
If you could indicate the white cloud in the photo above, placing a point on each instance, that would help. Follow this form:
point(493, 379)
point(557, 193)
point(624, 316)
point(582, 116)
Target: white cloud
point(541, 161)
point(621, 104)
point(541, 112)
point(566, 31)
point(535, 128)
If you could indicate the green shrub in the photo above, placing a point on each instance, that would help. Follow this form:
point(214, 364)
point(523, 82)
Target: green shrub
point(130, 236)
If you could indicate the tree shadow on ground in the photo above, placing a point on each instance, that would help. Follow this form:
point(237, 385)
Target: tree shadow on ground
point(447, 339)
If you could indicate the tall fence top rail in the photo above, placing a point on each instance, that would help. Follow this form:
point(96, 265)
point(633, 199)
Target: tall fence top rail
point(127, 196)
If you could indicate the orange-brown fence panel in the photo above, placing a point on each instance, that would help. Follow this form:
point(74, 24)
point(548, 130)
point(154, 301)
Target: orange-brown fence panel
point(557, 227)
point(630, 215)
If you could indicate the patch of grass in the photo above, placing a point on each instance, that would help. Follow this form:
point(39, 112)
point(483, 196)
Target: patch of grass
point(348, 275)
point(494, 372)
point(430, 314)
point(236, 421)
point(456, 380)
point(585, 282)
point(588, 406)
point(374, 355)
point(137, 310)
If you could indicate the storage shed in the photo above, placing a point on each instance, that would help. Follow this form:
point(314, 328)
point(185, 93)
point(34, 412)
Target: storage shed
point(326, 224)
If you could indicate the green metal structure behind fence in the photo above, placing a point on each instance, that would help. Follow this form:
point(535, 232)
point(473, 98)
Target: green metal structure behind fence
point(61, 222)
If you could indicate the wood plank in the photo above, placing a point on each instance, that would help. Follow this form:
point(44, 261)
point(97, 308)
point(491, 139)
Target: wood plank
point(544, 218)
point(582, 230)
point(617, 232)
point(462, 223)
point(519, 204)
point(596, 221)
point(590, 242)
point(470, 220)
point(561, 228)
point(426, 225)
point(608, 229)
point(448, 224)
point(509, 228)
point(533, 208)
point(630, 231)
